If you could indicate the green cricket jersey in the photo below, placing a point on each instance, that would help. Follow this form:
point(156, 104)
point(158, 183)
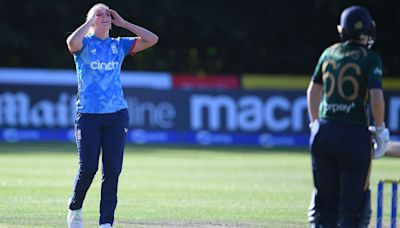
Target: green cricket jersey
point(346, 71)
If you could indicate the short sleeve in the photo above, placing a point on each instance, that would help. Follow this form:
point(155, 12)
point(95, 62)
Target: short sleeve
point(374, 72)
point(127, 44)
point(85, 42)
point(317, 75)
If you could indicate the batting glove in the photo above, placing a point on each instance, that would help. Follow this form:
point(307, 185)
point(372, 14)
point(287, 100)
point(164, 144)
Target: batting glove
point(380, 139)
point(314, 128)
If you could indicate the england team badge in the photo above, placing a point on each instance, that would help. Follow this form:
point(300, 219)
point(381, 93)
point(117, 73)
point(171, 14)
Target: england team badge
point(114, 49)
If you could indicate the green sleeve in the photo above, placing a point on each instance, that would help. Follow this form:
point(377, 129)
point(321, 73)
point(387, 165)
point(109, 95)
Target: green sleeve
point(317, 75)
point(374, 71)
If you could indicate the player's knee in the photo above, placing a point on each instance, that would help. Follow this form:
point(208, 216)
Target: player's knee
point(87, 172)
point(113, 171)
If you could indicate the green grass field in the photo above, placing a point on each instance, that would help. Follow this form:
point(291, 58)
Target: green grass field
point(168, 187)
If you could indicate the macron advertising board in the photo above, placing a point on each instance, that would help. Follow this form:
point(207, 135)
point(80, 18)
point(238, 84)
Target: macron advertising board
point(159, 114)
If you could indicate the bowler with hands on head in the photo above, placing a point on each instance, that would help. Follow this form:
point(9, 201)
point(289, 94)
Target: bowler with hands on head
point(102, 116)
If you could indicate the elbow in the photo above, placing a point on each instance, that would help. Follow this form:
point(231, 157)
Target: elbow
point(377, 97)
point(310, 89)
point(70, 44)
point(68, 41)
point(73, 46)
point(148, 42)
point(314, 90)
point(154, 40)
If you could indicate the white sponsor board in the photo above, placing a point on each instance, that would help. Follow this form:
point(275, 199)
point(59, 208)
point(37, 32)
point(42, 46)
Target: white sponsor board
point(136, 79)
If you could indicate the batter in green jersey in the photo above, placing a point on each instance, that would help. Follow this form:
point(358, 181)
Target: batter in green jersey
point(347, 70)
point(346, 77)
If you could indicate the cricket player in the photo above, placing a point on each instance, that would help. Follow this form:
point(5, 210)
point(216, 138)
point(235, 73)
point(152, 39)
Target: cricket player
point(102, 116)
point(347, 75)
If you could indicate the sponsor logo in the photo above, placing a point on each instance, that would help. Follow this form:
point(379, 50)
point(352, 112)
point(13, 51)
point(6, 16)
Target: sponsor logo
point(339, 107)
point(378, 71)
point(17, 110)
point(16, 135)
point(206, 138)
point(204, 112)
point(97, 65)
point(78, 134)
point(140, 136)
point(248, 113)
point(269, 141)
point(150, 114)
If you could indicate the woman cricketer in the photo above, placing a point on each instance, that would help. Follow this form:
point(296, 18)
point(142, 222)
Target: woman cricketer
point(347, 74)
point(102, 117)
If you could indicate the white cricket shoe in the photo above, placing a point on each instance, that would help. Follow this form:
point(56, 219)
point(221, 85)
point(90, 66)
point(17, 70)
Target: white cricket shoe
point(106, 225)
point(74, 219)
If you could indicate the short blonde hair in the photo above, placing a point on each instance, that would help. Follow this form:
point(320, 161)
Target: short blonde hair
point(92, 11)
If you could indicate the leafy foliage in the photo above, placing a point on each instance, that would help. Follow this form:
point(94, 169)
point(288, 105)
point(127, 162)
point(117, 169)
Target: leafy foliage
point(197, 36)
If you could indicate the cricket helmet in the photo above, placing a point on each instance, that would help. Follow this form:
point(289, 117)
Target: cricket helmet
point(356, 22)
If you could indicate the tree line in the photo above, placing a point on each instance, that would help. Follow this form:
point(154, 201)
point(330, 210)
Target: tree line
point(199, 37)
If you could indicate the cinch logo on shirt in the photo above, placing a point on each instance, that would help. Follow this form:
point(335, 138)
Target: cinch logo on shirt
point(97, 65)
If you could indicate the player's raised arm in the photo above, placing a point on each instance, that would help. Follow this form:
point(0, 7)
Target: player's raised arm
point(145, 39)
point(75, 40)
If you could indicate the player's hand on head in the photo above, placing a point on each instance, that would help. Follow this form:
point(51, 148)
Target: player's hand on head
point(116, 19)
point(91, 17)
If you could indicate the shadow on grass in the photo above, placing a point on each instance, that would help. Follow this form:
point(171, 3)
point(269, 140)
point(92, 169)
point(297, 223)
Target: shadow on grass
point(70, 147)
point(26, 147)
